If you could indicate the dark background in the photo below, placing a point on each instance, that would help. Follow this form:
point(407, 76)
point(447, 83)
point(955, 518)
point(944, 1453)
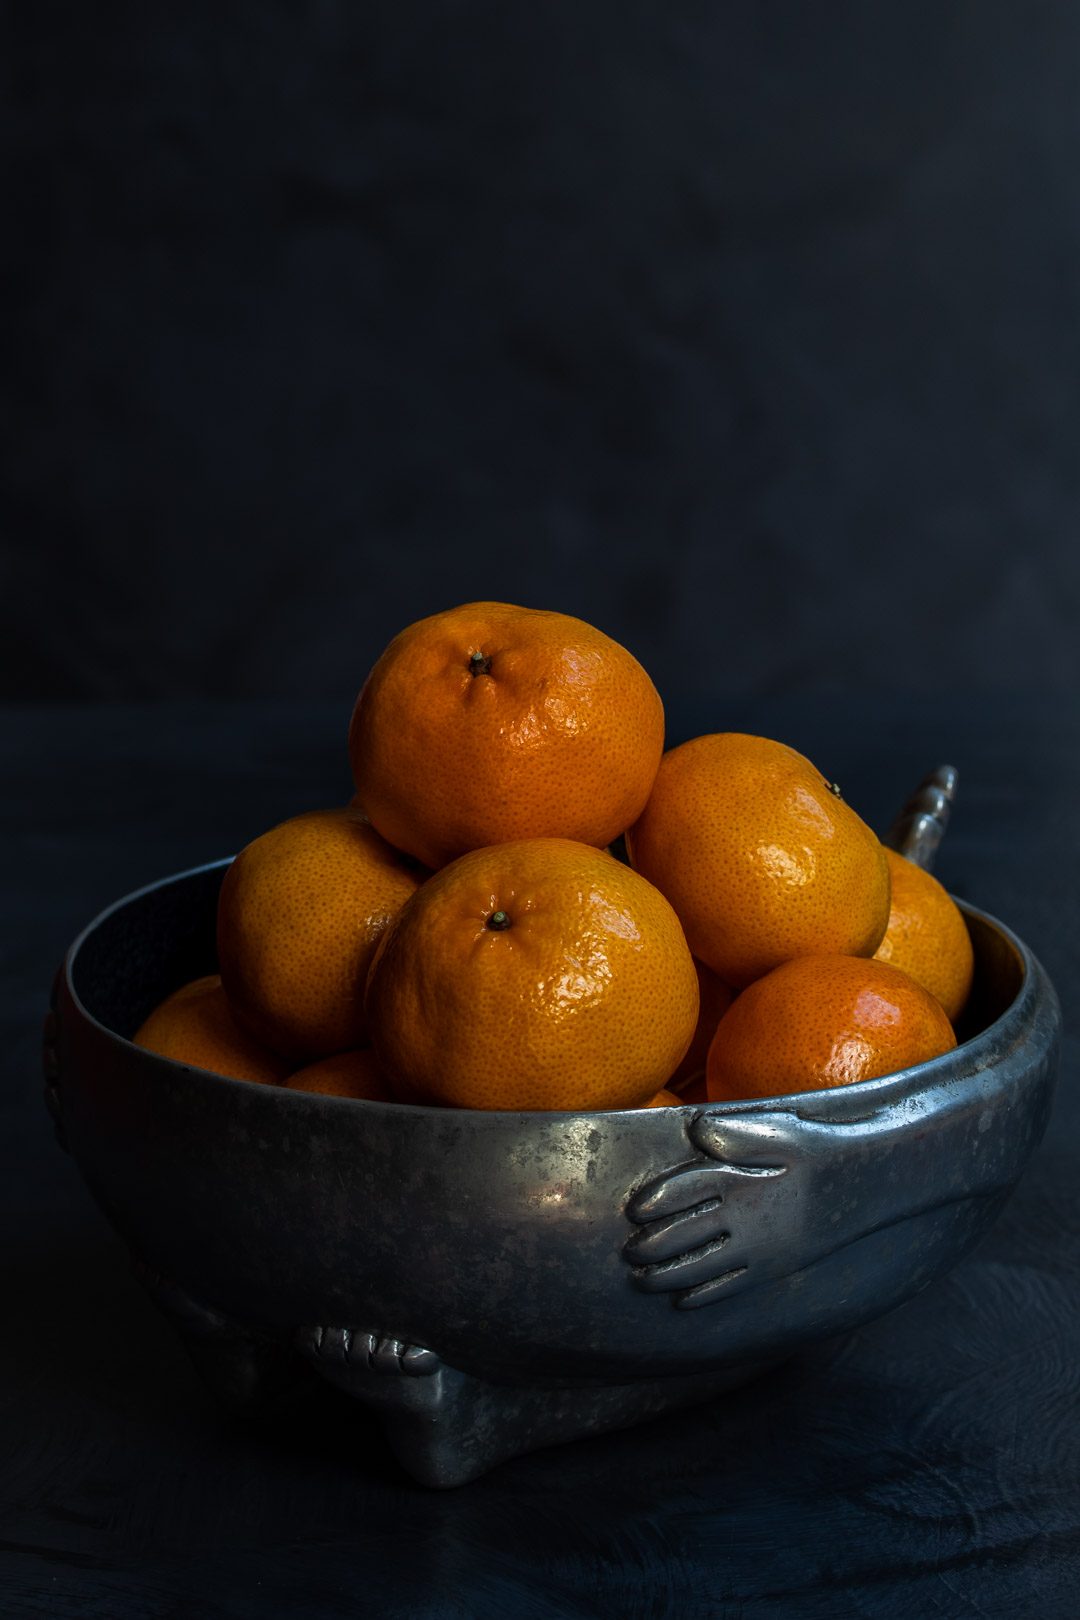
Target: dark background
point(750, 333)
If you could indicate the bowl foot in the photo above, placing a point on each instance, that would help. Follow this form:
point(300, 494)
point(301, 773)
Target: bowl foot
point(447, 1427)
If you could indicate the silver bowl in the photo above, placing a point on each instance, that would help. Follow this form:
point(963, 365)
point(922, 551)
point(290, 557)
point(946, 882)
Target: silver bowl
point(494, 1282)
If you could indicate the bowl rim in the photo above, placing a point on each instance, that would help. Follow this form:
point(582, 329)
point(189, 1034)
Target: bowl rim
point(808, 1104)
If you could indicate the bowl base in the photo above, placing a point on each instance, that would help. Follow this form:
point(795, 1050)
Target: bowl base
point(444, 1426)
point(447, 1427)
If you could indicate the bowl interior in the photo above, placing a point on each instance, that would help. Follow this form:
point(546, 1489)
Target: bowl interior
point(151, 943)
point(146, 946)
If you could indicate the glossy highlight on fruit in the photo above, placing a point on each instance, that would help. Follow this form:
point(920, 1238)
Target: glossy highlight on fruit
point(537, 974)
point(760, 856)
point(822, 1021)
point(492, 723)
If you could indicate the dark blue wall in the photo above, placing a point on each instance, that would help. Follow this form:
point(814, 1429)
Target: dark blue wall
point(750, 333)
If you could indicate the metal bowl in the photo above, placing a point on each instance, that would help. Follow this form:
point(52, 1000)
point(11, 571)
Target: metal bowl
point(492, 1282)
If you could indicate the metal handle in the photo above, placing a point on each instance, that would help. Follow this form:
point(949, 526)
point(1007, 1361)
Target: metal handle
point(919, 828)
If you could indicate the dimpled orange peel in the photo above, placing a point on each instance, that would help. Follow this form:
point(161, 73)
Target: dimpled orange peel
point(760, 856)
point(299, 915)
point(542, 974)
point(715, 999)
point(927, 935)
point(195, 1025)
point(823, 1021)
point(490, 723)
point(346, 1074)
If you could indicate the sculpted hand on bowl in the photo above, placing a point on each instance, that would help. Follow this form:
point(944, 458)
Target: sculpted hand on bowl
point(348, 1355)
point(693, 1240)
point(772, 1192)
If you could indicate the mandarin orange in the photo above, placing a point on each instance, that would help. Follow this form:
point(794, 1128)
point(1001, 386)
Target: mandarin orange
point(822, 1021)
point(536, 974)
point(927, 935)
point(664, 1099)
point(760, 857)
point(346, 1074)
point(491, 723)
point(195, 1026)
point(300, 913)
point(715, 999)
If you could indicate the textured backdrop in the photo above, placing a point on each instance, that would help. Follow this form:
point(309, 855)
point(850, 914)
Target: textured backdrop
point(751, 333)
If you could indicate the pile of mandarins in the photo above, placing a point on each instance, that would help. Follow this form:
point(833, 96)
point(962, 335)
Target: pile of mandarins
point(462, 933)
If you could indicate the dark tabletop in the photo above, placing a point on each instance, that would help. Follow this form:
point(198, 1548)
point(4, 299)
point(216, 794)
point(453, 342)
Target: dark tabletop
point(927, 1465)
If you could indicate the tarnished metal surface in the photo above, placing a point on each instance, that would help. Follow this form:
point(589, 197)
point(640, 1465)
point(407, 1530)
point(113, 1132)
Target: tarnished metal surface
point(492, 1282)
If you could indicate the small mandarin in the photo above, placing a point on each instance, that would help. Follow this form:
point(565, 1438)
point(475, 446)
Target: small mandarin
point(541, 974)
point(346, 1074)
point(822, 1021)
point(715, 1000)
point(195, 1026)
point(664, 1099)
point(760, 857)
point(299, 916)
point(927, 935)
point(492, 723)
